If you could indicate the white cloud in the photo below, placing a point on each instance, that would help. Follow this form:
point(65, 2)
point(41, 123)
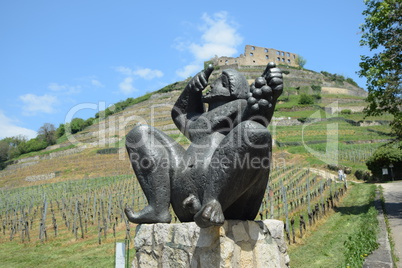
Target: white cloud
point(66, 89)
point(42, 104)
point(208, 51)
point(96, 83)
point(144, 73)
point(126, 86)
point(188, 70)
point(124, 70)
point(147, 73)
point(219, 37)
point(56, 87)
point(10, 129)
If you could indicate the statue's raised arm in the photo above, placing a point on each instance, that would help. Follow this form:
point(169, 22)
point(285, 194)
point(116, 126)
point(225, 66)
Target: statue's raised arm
point(264, 93)
point(190, 104)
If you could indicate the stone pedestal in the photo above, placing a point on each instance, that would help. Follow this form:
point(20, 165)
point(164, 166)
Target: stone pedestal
point(235, 244)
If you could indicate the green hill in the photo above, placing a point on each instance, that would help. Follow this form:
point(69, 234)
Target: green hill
point(301, 129)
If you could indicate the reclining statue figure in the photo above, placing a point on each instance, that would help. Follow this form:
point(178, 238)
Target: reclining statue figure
point(224, 172)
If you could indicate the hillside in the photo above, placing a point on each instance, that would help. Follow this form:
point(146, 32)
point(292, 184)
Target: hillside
point(64, 205)
point(302, 78)
point(99, 149)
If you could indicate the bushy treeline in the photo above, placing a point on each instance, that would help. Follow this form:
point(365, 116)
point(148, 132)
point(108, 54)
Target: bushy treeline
point(339, 78)
point(13, 147)
point(121, 105)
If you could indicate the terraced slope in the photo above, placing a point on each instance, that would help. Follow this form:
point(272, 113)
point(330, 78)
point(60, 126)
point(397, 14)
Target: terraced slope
point(99, 149)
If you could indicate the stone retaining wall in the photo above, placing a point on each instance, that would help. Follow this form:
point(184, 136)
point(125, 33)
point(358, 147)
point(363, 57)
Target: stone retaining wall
point(41, 177)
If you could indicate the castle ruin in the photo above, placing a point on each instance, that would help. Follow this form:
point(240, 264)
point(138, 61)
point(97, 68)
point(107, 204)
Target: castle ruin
point(257, 56)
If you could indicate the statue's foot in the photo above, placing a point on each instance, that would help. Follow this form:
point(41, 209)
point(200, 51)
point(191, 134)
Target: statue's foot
point(147, 215)
point(210, 214)
point(192, 204)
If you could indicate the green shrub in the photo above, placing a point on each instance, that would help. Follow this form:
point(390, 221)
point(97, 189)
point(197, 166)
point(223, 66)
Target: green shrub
point(316, 96)
point(332, 167)
point(347, 170)
point(168, 88)
point(382, 158)
point(352, 82)
point(346, 111)
point(302, 119)
point(32, 145)
point(305, 99)
point(363, 175)
point(60, 131)
point(316, 88)
point(76, 125)
point(337, 78)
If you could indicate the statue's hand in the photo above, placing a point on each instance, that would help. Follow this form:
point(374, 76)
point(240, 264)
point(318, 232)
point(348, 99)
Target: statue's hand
point(200, 81)
point(273, 76)
point(263, 95)
point(260, 97)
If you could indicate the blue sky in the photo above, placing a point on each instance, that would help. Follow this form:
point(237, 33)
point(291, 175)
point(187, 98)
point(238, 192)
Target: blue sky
point(63, 59)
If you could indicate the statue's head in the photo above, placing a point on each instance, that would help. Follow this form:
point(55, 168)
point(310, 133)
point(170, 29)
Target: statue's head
point(231, 85)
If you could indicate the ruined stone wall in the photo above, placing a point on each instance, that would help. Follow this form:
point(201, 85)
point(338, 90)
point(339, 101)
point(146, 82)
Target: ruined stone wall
point(259, 56)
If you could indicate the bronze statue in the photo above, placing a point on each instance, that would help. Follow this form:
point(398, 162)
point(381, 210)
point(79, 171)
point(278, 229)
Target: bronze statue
point(224, 172)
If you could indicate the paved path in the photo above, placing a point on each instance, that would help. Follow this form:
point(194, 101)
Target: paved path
point(393, 208)
point(381, 257)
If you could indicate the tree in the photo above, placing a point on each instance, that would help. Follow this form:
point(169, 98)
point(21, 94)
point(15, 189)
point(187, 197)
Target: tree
point(75, 125)
point(88, 122)
point(301, 61)
point(382, 33)
point(33, 145)
point(4, 147)
point(306, 99)
point(47, 132)
point(15, 143)
point(382, 158)
point(60, 131)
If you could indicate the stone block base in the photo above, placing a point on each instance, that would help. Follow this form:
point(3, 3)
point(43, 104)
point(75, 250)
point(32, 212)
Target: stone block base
point(235, 244)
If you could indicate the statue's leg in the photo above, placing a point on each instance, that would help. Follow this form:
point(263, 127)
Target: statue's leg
point(153, 156)
point(248, 205)
point(238, 175)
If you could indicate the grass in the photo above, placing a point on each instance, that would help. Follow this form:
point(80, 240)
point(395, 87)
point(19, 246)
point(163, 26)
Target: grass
point(61, 252)
point(319, 131)
point(310, 113)
point(292, 102)
point(325, 246)
point(362, 117)
point(31, 154)
point(344, 96)
point(352, 155)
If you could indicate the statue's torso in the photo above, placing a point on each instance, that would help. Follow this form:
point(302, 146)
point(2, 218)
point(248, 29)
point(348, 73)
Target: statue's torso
point(206, 132)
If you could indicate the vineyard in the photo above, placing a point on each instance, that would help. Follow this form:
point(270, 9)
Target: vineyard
point(77, 210)
point(65, 205)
